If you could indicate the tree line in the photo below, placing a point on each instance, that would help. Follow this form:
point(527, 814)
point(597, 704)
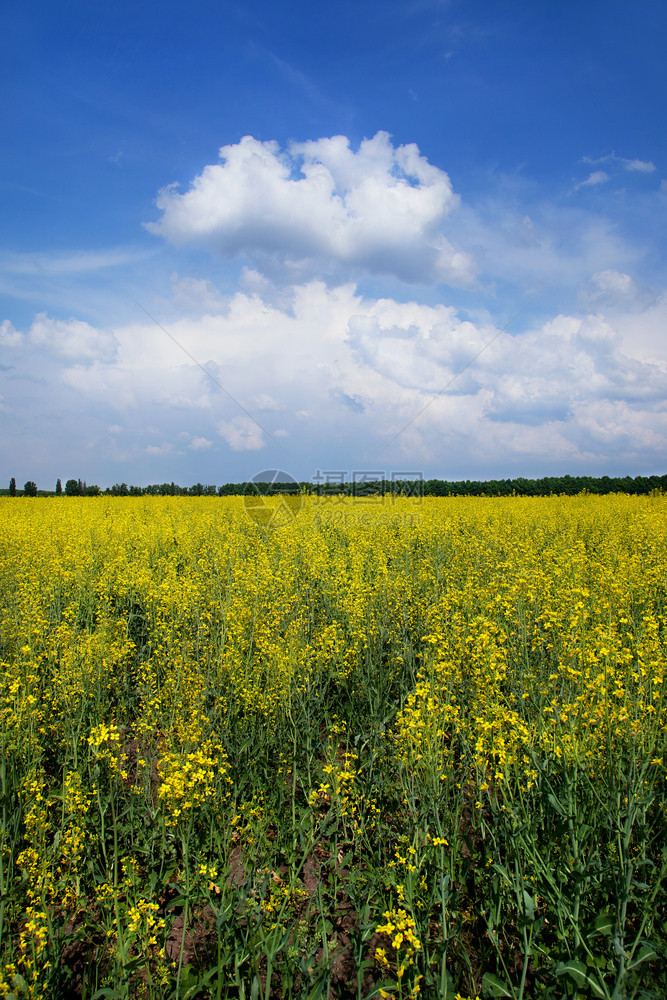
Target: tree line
point(546, 486)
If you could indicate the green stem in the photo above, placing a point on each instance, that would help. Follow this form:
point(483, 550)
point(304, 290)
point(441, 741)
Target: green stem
point(186, 908)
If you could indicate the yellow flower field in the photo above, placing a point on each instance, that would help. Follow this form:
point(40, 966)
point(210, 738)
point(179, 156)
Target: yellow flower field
point(358, 748)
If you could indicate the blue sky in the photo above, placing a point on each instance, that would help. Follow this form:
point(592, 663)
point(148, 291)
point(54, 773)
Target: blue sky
point(329, 212)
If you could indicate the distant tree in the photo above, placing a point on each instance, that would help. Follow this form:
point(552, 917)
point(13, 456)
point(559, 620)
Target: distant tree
point(72, 488)
point(30, 489)
point(12, 487)
point(59, 488)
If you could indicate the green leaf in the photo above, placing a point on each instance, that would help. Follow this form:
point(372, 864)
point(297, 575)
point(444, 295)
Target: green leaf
point(502, 871)
point(136, 963)
point(450, 989)
point(603, 924)
point(317, 991)
point(555, 804)
point(177, 901)
point(645, 954)
point(578, 972)
point(494, 987)
point(529, 905)
point(442, 892)
point(188, 977)
point(618, 947)
point(193, 991)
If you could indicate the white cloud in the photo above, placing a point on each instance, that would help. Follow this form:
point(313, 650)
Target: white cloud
point(9, 337)
point(265, 401)
point(379, 209)
point(643, 332)
point(553, 247)
point(596, 177)
point(195, 295)
point(200, 444)
point(242, 434)
point(71, 339)
point(636, 165)
point(642, 166)
point(611, 289)
point(67, 264)
point(610, 282)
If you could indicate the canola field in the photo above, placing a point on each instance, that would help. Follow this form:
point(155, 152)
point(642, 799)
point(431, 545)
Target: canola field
point(334, 750)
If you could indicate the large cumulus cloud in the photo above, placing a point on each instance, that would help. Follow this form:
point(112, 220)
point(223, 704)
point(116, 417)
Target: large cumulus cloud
point(379, 209)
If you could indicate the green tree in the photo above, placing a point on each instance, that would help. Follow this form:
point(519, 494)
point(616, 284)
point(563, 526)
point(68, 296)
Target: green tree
point(12, 487)
point(30, 489)
point(59, 488)
point(72, 488)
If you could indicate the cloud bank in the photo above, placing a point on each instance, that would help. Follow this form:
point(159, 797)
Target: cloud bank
point(332, 373)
